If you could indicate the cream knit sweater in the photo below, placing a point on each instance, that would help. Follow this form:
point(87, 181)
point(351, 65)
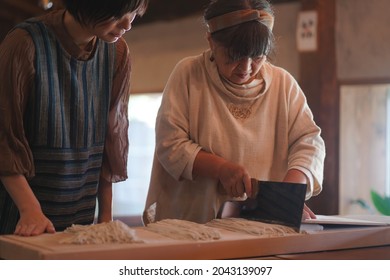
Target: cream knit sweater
point(278, 135)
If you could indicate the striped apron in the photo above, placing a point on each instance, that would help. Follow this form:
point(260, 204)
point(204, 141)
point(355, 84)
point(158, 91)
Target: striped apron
point(65, 125)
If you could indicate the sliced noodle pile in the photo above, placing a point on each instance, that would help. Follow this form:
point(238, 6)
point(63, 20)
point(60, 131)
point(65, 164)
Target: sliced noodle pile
point(104, 233)
point(183, 230)
point(251, 227)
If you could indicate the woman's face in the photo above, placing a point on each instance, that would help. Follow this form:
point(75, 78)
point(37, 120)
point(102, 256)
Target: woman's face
point(239, 72)
point(111, 30)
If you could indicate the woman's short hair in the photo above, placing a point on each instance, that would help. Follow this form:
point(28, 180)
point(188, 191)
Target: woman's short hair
point(91, 12)
point(248, 39)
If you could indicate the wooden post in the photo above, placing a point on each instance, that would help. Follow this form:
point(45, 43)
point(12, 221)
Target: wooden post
point(318, 79)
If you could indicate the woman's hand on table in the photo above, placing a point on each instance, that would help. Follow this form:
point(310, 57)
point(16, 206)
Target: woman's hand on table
point(307, 213)
point(33, 223)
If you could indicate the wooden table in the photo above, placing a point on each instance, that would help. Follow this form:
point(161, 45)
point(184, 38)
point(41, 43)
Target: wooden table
point(336, 243)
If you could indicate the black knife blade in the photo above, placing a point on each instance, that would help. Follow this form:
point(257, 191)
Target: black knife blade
point(275, 202)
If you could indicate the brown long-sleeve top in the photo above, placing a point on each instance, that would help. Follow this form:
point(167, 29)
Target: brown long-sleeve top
point(17, 73)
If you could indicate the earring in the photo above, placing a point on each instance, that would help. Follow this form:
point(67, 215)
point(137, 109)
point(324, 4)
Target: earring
point(212, 57)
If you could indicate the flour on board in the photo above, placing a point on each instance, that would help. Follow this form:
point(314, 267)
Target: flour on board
point(183, 230)
point(103, 233)
point(251, 227)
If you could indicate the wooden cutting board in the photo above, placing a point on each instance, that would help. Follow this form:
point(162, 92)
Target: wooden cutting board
point(232, 245)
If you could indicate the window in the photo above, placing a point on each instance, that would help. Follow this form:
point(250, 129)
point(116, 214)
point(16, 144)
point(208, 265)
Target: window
point(364, 146)
point(129, 196)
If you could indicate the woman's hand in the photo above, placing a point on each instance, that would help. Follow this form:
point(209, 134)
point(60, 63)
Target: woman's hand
point(307, 213)
point(33, 223)
point(296, 176)
point(235, 179)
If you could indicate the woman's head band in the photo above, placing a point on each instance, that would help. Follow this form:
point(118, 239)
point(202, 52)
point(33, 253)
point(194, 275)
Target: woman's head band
point(238, 17)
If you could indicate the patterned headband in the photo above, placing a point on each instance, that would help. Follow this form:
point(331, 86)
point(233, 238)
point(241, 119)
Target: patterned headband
point(238, 17)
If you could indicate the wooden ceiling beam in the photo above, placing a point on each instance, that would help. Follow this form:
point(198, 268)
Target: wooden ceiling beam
point(25, 7)
point(173, 9)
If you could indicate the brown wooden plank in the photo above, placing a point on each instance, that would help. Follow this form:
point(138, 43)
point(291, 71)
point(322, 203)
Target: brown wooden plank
point(318, 80)
point(368, 253)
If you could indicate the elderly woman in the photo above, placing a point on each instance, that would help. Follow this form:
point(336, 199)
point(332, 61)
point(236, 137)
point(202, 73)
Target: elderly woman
point(229, 115)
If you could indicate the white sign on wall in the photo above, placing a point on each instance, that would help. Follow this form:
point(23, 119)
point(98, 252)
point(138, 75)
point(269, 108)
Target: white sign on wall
point(307, 31)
